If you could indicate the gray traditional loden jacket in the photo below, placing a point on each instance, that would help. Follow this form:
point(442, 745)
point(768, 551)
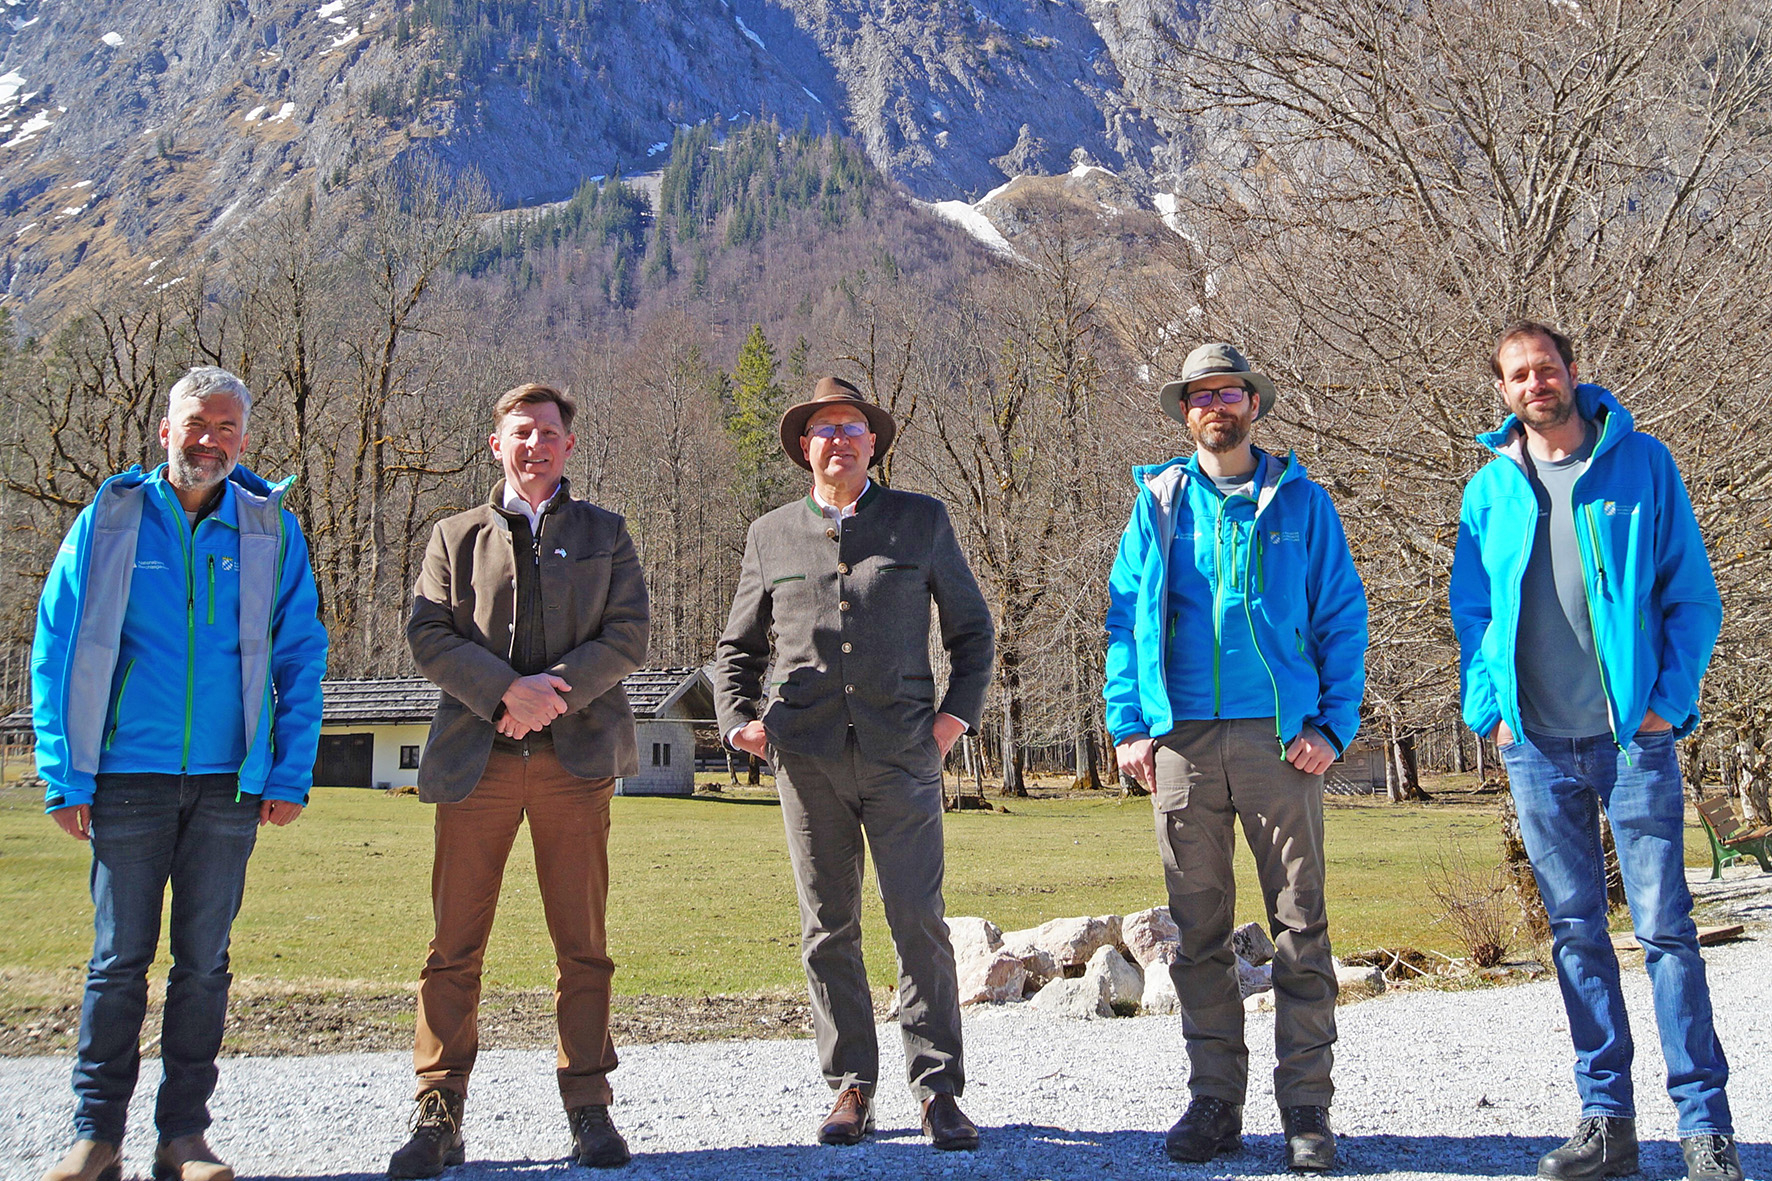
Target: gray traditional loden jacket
point(464, 625)
point(849, 610)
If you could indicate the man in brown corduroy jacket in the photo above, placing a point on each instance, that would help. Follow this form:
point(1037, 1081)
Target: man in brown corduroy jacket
point(528, 613)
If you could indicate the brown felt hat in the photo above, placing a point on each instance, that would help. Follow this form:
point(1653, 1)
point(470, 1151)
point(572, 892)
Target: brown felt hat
point(834, 391)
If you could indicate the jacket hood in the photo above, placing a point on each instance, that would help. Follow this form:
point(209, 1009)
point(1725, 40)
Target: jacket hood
point(1596, 403)
point(1162, 479)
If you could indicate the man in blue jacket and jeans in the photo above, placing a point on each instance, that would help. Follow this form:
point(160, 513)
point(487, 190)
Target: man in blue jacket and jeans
point(175, 685)
point(1586, 613)
point(1236, 664)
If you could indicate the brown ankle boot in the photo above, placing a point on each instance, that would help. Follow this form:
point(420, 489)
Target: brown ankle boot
point(436, 1141)
point(89, 1160)
point(189, 1158)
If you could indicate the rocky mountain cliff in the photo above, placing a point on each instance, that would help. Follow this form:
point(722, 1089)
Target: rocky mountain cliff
point(132, 130)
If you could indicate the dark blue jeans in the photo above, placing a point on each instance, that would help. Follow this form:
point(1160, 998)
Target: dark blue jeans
point(148, 830)
point(1557, 783)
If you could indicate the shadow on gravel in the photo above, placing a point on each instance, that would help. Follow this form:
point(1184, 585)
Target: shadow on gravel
point(1063, 1154)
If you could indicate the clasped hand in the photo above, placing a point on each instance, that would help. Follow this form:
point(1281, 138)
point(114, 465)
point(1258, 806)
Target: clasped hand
point(531, 703)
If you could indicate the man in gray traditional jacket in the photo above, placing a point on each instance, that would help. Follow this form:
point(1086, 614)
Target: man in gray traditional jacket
point(843, 579)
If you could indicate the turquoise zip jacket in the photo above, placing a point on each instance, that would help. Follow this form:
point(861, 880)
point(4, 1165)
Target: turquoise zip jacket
point(1304, 606)
point(163, 649)
point(1651, 599)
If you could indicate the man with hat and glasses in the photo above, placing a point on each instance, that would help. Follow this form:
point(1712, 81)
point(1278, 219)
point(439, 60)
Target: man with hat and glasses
point(843, 579)
point(1235, 668)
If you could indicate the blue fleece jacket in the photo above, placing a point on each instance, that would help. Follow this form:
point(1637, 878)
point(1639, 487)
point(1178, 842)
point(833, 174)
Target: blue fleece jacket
point(1650, 594)
point(1302, 603)
point(176, 702)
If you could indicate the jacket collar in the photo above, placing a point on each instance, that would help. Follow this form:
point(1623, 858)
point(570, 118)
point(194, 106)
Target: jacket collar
point(1595, 403)
point(1165, 480)
point(496, 498)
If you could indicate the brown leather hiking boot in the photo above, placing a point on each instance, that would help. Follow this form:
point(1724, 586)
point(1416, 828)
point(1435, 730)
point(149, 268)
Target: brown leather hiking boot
point(595, 1142)
point(436, 1141)
point(189, 1158)
point(89, 1160)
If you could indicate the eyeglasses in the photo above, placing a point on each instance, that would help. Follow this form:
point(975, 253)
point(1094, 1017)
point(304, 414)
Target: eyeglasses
point(830, 430)
point(1230, 395)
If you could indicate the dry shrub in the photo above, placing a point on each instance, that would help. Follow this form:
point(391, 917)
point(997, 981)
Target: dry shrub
point(1475, 901)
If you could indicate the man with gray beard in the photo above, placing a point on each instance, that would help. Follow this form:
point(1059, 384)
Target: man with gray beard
point(175, 684)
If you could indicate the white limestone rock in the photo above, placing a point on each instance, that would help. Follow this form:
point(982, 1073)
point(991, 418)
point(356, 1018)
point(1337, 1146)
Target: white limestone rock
point(1159, 997)
point(1254, 978)
point(1358, 979)
point(1147, 932)
point(1082, 997)
point(991, 978)
point(974, 937)
point(1069, 941)
point(1125, 981)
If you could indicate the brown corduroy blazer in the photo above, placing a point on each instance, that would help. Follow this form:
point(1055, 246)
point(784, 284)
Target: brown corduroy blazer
point(595, 620)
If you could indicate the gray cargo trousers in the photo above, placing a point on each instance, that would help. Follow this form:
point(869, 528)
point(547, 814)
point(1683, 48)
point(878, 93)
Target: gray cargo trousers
point(827, 806)
point(1209, 775)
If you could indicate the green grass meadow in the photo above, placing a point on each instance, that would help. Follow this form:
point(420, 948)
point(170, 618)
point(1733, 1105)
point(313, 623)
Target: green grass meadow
point(701, 898)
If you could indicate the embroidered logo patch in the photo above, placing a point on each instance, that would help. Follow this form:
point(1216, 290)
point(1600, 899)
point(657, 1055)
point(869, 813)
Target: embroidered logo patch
point(1610, 508)
point(1276, 536)
point(151, 564)
point(229, 564)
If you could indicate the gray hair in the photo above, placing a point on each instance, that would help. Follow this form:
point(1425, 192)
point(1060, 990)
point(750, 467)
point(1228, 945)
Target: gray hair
point(206, 381)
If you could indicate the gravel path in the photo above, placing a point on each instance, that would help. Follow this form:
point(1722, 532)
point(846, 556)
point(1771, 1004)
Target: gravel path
point(1431, 1085)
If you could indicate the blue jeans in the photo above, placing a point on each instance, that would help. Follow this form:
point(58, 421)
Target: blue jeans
point(1556, 784)
point(194, 831)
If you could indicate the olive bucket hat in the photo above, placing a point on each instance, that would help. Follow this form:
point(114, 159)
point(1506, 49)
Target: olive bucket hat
point(1211, 360)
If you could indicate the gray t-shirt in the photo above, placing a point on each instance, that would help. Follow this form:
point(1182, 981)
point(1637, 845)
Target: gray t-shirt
point(1244, 485)
point(1561, 693)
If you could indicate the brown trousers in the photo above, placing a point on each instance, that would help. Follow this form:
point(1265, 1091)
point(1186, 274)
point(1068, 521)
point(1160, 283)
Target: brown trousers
point(569, 827)
point(1211, 775)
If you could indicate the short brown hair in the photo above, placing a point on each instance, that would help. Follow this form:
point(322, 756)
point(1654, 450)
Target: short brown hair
point(1565, 349)
point(533, 393)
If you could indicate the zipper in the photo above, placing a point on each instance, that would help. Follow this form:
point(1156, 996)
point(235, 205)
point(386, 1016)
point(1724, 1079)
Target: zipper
point(117, 704)
point(1279, 739)
point(1593, 624)
point(1217, 605)
point(210, 619)
point(188, 544)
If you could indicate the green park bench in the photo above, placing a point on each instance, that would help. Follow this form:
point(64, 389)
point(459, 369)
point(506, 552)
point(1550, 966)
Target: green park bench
point(1730, 836)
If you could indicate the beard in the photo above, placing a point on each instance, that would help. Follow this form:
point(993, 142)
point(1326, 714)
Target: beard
point(197, 472)
point(1220, 434)
point(1549, 418)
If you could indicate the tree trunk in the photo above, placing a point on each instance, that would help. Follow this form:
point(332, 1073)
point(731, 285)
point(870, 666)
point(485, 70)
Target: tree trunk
point(1088, 760)
point(1014, 758)
point(1401, 779)
point(756, 775)
point(1458, 763)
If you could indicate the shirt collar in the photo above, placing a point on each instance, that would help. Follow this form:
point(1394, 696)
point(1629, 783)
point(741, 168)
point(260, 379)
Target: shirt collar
point(514, 503)
point(846, 511)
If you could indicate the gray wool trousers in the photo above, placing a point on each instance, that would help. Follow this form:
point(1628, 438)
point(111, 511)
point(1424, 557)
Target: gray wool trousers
point(1211, 775)
point(828, 805)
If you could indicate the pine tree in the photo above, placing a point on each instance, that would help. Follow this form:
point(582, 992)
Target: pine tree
point(757, 401)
